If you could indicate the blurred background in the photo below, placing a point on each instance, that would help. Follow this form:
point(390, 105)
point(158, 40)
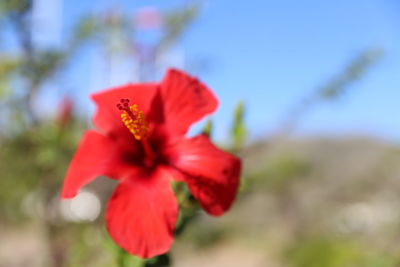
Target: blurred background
point(309, 94)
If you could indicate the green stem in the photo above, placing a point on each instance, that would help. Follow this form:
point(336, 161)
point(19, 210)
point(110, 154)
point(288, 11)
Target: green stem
point(123, 259)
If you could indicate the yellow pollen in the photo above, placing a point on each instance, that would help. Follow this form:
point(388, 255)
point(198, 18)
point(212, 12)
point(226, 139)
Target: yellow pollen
point(134, 119)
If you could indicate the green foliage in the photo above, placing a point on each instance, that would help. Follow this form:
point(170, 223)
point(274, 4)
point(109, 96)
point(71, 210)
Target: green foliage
point(208, 128)
point(159, 261)
point(8, 67)
point(84, 30)
point(15, 6)
point(33, 160)
point(355, 70)
point(330, 252)
point(124, 259)
point(238, 130)
point(188, 207)
point(46, 63)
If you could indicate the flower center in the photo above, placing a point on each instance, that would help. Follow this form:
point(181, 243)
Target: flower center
point(133, 118)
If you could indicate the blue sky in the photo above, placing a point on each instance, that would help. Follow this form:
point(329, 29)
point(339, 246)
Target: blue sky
point(271, 53)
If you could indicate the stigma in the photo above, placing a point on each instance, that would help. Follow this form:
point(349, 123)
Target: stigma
point(133, 119)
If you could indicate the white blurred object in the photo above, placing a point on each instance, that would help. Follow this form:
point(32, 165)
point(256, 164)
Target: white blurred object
point(85, 206)
point(357, 217)
point(365, 217)
point(32, 205)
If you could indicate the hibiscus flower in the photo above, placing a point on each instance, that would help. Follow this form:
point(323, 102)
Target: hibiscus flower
point(141, 143)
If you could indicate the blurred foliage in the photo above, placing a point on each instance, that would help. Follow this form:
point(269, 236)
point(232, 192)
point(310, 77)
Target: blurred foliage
point(8, 68)
point(176, 22)
point(330, 252)
point(208, 128)
point(15, 6)
point(33, 160)
point(238, 131)
point(333, 89)
point(356, 69)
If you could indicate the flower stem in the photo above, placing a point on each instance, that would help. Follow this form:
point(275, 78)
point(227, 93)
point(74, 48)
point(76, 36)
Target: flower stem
point(123, 259)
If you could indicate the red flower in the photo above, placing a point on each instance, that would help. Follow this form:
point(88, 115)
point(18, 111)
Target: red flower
point(142, 143)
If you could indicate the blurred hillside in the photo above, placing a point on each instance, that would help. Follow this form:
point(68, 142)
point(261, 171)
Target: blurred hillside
point(309, 202)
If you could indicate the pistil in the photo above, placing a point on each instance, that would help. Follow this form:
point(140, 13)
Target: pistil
point(133, 118)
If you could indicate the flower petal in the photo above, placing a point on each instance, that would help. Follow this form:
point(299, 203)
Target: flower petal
point(211, 174)
point(186, 100)
point(96, 155)
point(108, 117)
point(142, 213)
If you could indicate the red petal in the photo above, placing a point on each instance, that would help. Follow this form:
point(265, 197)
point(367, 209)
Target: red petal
point(211, 174)
point(142, 213)
point(108, 117)
point(96, 155)
point(186, 100)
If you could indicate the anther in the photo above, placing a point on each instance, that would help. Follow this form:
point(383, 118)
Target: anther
point(133, 118)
